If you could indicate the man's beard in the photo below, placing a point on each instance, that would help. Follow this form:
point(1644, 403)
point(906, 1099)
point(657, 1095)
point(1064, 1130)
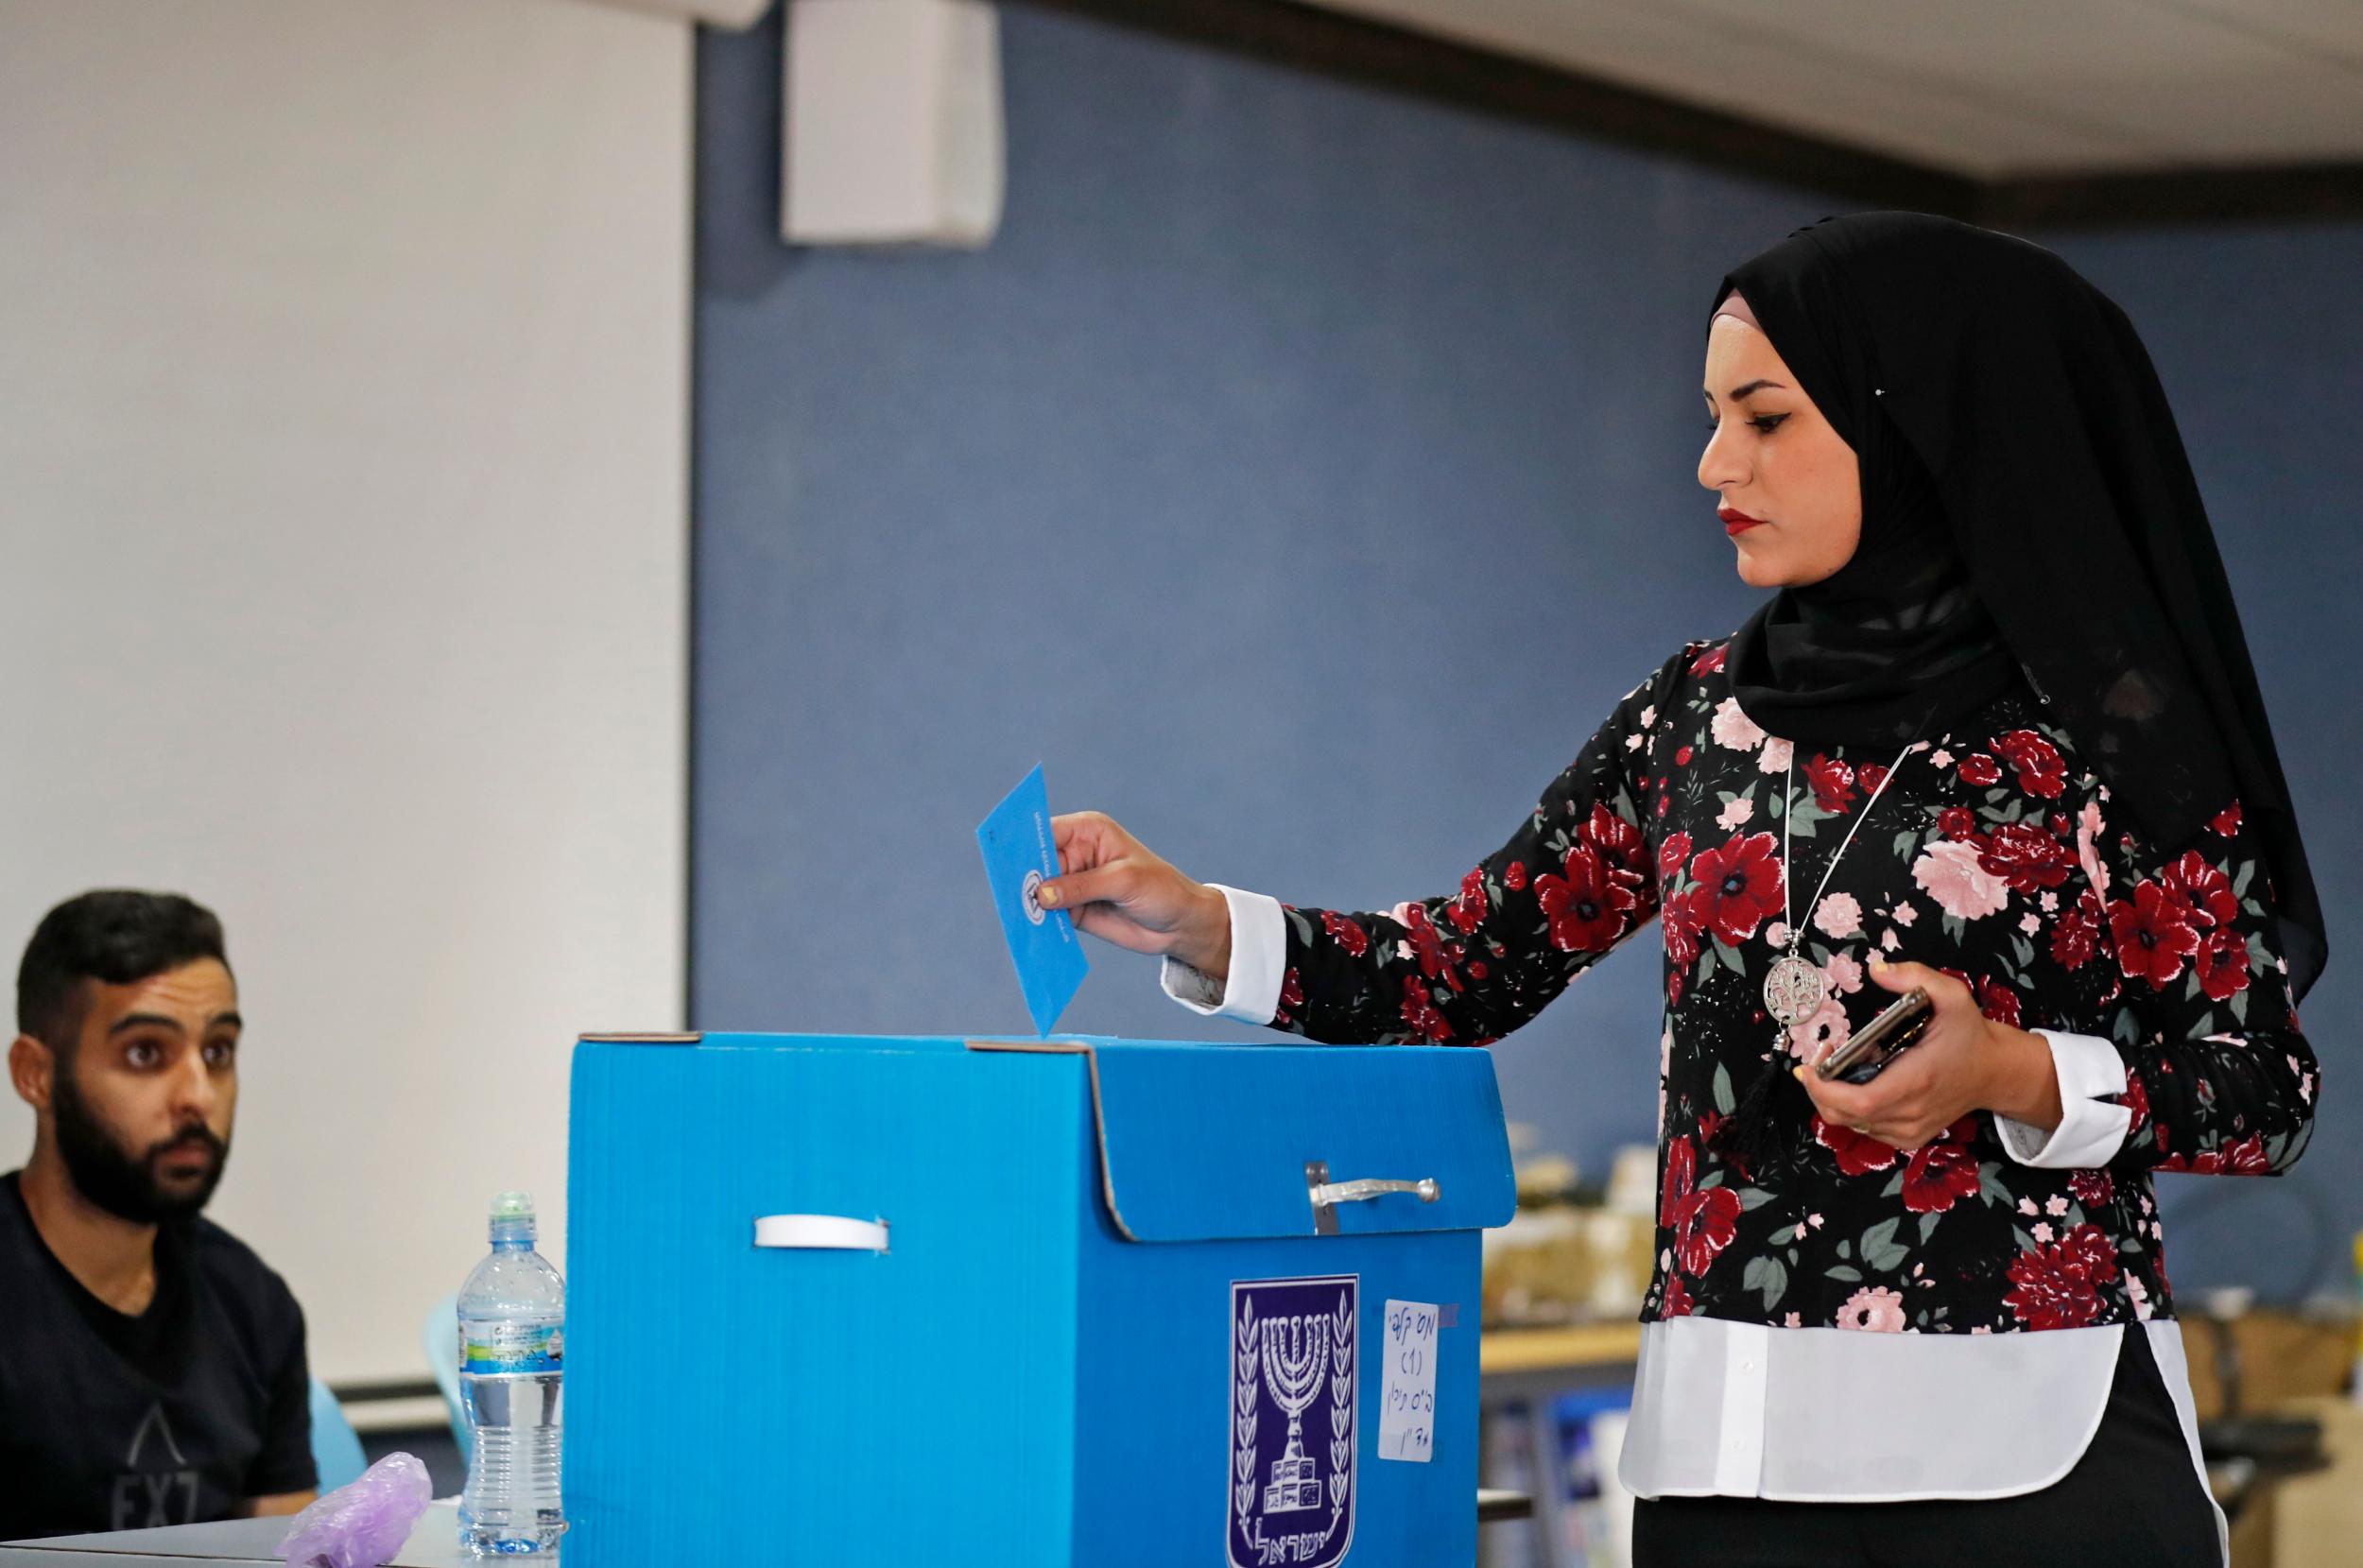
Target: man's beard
point(125, 1187)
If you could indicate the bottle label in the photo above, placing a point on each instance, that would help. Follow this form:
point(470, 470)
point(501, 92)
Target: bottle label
point(497, 1348)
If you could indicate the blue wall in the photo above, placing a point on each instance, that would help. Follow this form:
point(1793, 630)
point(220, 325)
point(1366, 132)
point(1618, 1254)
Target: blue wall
point(1300, 476)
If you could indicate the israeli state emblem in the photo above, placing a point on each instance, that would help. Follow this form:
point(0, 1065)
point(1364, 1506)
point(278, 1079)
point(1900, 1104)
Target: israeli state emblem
point(1292, 1473)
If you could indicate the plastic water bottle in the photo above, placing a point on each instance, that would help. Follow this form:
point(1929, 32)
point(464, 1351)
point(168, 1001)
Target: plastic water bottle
point(512, 1348)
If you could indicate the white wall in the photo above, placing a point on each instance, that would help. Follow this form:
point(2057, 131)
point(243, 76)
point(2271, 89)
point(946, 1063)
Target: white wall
point(343, 528)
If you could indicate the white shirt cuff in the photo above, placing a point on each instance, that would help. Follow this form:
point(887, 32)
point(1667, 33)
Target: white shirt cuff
point(2091, 1131)
point(1259, 954)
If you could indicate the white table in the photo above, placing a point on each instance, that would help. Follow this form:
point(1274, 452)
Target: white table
point(434, 1543)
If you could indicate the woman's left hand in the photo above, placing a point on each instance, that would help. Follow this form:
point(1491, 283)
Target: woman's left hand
point(1964, 1061)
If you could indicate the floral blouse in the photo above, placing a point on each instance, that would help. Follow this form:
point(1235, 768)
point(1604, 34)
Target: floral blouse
point(1992, 855)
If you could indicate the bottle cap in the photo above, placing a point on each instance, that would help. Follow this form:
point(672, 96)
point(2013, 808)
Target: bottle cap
point(513, 1206)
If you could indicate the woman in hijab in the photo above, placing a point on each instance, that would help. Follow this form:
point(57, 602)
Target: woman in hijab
point(1994, 737)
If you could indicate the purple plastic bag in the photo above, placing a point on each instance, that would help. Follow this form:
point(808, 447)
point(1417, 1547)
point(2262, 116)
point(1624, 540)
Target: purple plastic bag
point(363, 1525)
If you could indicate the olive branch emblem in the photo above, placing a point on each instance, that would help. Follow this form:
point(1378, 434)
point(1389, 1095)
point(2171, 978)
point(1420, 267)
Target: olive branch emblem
point(1341, 1410)
point(1250, 1383)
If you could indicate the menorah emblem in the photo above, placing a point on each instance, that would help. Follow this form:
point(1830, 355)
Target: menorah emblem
point(1296, 1357)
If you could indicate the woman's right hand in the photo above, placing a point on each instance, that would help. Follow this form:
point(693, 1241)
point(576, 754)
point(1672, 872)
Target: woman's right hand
point(1119, 891)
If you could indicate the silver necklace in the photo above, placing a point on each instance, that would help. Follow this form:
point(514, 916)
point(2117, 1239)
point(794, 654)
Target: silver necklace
point(1794, 987)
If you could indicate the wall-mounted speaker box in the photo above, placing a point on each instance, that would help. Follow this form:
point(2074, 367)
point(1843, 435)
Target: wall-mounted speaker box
point(893, 125)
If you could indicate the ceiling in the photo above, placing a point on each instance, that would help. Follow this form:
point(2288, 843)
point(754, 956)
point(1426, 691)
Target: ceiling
point(1984, 89)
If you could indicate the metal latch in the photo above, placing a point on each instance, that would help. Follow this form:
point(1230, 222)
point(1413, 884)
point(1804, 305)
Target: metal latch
point(1326, 1195)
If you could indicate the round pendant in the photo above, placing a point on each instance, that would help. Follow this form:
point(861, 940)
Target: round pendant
point(1794, 990)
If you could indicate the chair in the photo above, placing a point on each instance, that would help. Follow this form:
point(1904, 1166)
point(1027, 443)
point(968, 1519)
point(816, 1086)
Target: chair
point(335, 1447)
point(442, 1335)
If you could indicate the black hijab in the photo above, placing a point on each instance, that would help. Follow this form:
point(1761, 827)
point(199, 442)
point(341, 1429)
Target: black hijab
point(2028, 512)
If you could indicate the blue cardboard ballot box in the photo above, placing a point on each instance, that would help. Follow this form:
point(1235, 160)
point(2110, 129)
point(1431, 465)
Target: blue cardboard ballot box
point(1068, 1304)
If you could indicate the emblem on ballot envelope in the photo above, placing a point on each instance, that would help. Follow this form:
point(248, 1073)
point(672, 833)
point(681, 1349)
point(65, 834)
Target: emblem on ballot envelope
point(1293, 1438)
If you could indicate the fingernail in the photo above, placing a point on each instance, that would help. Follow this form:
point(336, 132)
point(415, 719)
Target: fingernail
point(1048, 896)
point(1797, 1072)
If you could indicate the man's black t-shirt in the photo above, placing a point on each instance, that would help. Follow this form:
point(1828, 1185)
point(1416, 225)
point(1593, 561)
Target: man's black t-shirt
point(174, 1416)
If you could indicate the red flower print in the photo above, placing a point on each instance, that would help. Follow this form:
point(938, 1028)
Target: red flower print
point(2222, 964)
point(1709, 662)
point(1348, 935)
point(1515, 875)
point(1682, 923)
point(1703, 1222)
point(2027, 858)
point(1710, 1122)
point(1942, 1171)
point(1997, 1001)
point(1833, 783)
point(1739, 885)
point(2153, 934)
point(1871, 775)
point(2078, 933)
point(1681, 1168)
point(2058, 1286)
point(1588, 905)
point(1859, 1153)
point(1467, 911)
point(1959, 824)
point(2092, 1188)
point(2136, 1099)
point(1420, 1014)
point(1428, 943)
point(1980, 769)
point(1709, 1221)
point(1617, 842)
point(1291, 995)
point(2245, 1158)
point(2206, 890)
point(1671, 854)
point(1682, 756)
point(2037, 762)
point(1678, 1302)
point(2226, 821)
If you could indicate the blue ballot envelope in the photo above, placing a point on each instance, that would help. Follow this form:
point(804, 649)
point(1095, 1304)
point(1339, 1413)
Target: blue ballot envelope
point(1066, 1303)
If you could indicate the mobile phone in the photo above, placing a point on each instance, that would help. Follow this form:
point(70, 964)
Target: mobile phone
point(1869, 1049)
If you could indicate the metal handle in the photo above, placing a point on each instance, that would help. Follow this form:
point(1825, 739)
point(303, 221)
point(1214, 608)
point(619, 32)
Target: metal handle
point(1326, 1195)
point(835, 1232)
point(1356, 1191)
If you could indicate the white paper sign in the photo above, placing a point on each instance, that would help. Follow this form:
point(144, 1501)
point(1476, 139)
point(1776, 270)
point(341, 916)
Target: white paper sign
point(1407, 1411)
